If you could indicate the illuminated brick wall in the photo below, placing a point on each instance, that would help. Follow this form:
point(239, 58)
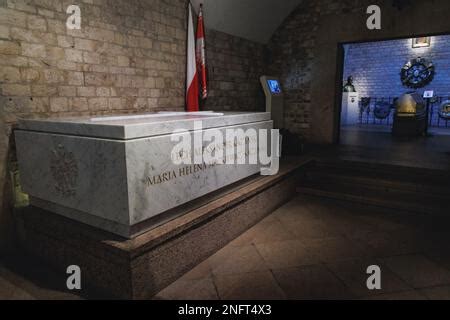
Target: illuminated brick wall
point(375, 66)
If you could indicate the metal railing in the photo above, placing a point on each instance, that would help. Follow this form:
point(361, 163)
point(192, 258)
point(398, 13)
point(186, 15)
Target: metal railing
point(380, 111)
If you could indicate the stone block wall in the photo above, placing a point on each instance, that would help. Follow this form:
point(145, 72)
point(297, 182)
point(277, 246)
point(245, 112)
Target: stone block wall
point(234, 68)
point(127, 56)
point(375, 66)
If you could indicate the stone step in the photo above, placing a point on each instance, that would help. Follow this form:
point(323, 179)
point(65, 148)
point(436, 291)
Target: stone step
point(378, 182)
point(381, 176)
point(391, 200)
point(385, 185)
point(423, 175)
point(368, 189)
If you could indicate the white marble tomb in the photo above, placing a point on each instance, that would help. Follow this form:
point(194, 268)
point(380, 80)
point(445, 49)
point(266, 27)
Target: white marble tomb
point(116, 173)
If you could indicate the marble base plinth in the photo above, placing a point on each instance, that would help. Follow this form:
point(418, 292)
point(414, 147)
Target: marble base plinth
point(139, 268)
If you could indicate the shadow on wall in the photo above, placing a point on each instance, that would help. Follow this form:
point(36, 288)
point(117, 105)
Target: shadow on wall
point(6, 219)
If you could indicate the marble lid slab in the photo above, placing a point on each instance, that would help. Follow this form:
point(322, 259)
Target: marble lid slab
point(134, 126)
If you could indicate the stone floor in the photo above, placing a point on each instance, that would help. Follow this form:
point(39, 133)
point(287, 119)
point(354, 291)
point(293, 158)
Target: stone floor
point(314, 248)
point(24, 279)
point(311, 248)
point(361, 144)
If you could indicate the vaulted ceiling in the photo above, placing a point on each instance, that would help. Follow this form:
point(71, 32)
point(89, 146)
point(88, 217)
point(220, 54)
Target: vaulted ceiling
point(255, 20)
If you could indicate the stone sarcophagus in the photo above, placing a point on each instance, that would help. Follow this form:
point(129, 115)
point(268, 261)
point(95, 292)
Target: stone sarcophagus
point(121, 174)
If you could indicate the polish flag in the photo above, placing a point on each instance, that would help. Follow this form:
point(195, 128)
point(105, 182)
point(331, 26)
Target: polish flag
point(192, 88)
point(201, 57)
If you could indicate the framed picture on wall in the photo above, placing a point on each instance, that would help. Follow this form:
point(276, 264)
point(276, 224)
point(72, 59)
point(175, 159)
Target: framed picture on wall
point(421, 42)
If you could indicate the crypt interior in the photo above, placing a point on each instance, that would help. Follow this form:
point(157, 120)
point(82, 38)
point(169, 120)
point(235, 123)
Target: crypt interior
point(364, 174)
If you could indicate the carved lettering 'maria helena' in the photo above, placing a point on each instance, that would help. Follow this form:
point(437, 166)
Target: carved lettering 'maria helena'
point(174, 174)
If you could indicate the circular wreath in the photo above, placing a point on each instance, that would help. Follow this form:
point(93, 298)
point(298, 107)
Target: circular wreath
point(382, 110)
point(444, 110)
point(417, 73)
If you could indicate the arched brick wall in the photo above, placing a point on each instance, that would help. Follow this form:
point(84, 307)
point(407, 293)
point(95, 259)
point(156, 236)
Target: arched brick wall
point(305, 53)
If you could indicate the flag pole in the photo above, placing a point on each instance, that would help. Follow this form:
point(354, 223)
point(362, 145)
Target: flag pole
point(192, 80)
point(201, 56)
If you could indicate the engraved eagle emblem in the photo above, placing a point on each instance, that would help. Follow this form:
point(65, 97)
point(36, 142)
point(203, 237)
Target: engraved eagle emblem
point(64, 169)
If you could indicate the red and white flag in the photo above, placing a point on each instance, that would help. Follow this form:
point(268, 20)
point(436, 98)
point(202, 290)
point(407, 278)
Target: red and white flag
point(201, 57)
point(192, 88)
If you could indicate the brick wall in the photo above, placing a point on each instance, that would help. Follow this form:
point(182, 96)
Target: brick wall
point(293, 57)
point(129, 56)
point(125, 58)
point(234, 68)
point(378, 76)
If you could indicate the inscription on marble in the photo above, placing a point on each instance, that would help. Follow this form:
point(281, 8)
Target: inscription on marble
point(174, 174)
point(187, 155)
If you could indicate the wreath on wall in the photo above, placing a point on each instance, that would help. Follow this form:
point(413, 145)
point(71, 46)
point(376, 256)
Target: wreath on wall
point(444, 110)
point(417, 73)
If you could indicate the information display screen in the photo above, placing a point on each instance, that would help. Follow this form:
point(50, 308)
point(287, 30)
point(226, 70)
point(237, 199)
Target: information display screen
point(274, 86)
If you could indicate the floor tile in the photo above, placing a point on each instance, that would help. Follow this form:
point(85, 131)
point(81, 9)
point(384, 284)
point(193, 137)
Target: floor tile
point(243, 260)
point(337, 249)
point(203, 289)
point(271, 231)
point(241, 241)
point(435, 241)
point(440, 257)
point(382, 222)
point(418, 271)
point(222, 256)
point(296, 209)
point(36, 283)
point(385, 244)
point(244, 286)
point(201, 271)
point(404, 295)
point(9, 291)
point(354, 275)
point(286, 254)
point(19, 294)
point(311, 282)
point(437, 293)
point(313, 229)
